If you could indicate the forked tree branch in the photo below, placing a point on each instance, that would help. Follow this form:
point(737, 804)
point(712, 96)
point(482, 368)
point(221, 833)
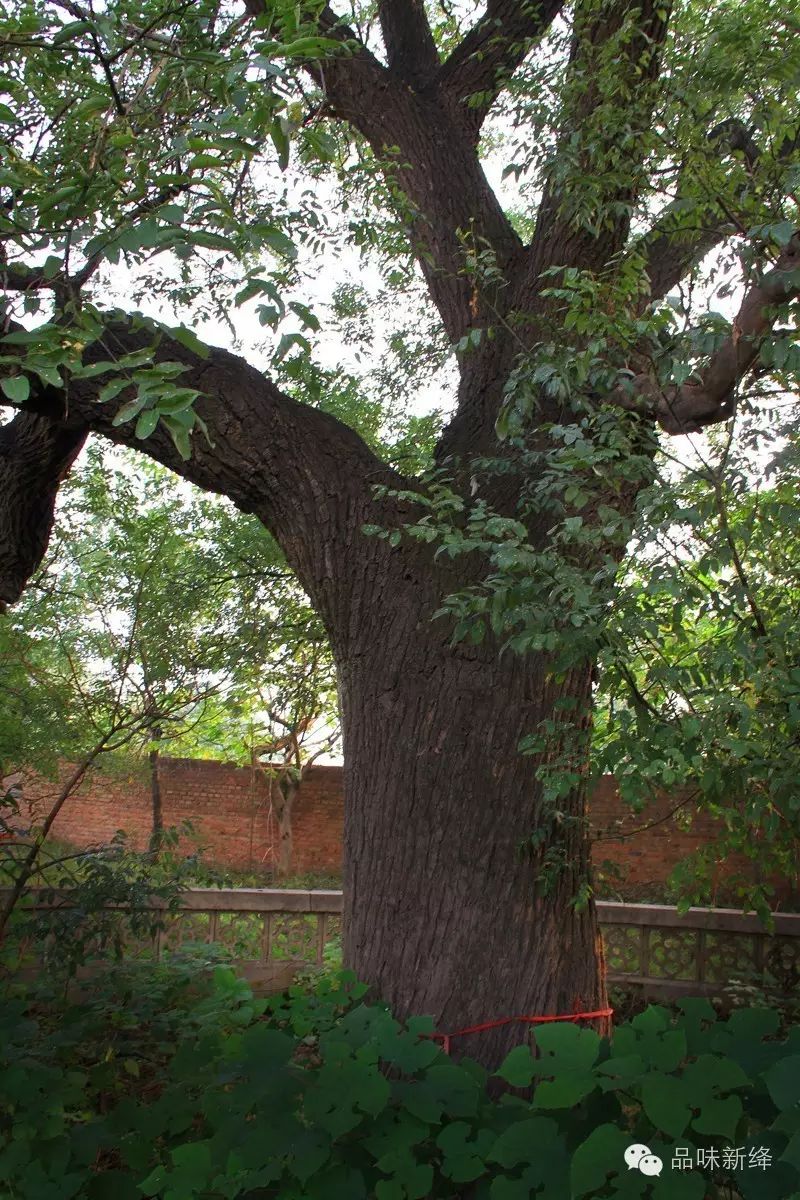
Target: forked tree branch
point(613, 68)
point(492, 50)
point(692, 406)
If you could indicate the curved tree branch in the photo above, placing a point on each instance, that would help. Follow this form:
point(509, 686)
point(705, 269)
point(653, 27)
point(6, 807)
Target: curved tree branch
point(429, 156)
point(36, 453)
point(691, 407)
point(307, 476)
point(427, 151)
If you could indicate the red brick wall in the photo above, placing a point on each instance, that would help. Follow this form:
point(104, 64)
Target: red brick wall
point(227, 805)
point(649, 857)
point(229, 808)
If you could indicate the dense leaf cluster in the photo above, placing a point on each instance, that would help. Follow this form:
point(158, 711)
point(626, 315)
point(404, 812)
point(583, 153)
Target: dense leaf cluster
point(161, 1083)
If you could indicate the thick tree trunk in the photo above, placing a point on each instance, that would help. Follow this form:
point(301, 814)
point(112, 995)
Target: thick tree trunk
point(442, 915)
point(284, 792)
point(156, 800)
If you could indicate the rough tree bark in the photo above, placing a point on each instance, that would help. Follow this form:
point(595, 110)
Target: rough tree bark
point(440, 896)
point(156, 798)
point(442, 915)
point(284, 793)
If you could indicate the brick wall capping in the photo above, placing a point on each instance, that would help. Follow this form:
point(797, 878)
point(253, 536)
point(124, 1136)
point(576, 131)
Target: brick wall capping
point(262, 900)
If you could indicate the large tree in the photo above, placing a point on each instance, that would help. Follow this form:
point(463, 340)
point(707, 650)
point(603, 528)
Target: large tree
point(644, 135)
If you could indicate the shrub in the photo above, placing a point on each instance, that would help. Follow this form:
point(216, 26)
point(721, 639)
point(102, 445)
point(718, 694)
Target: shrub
point(100, 901)
point(171, 1081)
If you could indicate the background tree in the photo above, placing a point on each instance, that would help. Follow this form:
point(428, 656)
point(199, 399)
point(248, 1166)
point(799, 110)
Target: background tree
point(301, 719)
point(699, 683)
point(642, 138)
point(152, 624)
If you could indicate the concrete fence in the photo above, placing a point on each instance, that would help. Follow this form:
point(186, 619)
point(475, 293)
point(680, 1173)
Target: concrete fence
point(270, 934)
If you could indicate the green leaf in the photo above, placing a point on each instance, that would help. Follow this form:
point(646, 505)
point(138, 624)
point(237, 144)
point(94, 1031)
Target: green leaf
point(597, 1158)
point(285, 344)
point(666, 1103)
point(180, 437)
point(46, 372)
point(445, 1089)
point(154, 1182)
point(281, 244)
point(464, 1155)
point(129, 410)
point(523, 1142)
point(196, 163)
point(16, 387)
point(86, 108)
point(173, 213)
point(112, 389)
point(565, 1045)
point(783, 232)
point(719, 1116)
point(147, 423)
point(280, 141)
point(783, 1082)
point(566, 1090)
point(189, 339)
point(518, 1067)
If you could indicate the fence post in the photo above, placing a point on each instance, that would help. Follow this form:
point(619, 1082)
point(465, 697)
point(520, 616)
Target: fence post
point(213, 927)
point(322, 926)
point(700, 956)
point(644, 951)
point(266, 937)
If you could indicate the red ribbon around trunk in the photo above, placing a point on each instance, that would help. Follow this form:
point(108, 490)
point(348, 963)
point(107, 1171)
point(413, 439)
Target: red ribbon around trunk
point(446, 1038)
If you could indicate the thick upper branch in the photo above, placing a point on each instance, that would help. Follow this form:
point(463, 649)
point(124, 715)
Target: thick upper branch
point(36, 453)
point(418, 133)
point(410, 49)
point(303, 473)
point(448, 205)
point(609, 97)
point(492, 50)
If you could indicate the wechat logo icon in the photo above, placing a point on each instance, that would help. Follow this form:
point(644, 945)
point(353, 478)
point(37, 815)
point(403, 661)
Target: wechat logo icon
point(639, 1158)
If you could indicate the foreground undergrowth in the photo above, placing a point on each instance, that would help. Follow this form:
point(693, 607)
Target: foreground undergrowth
point(171, 1080)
